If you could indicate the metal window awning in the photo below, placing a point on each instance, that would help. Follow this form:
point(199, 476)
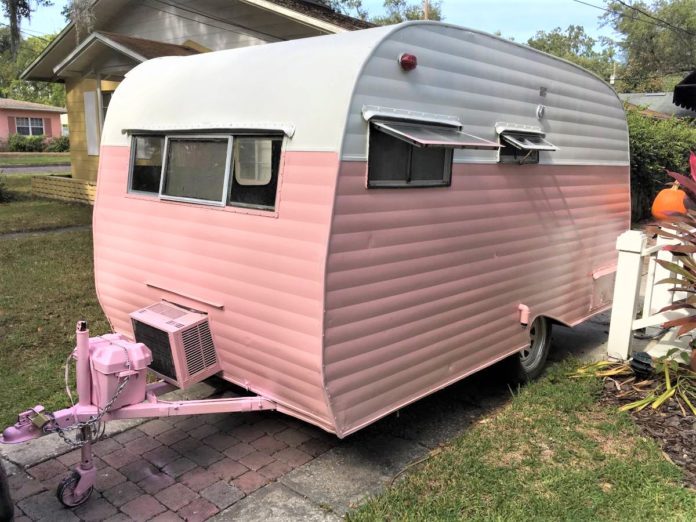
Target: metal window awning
point(430, 136)
point(528, 141)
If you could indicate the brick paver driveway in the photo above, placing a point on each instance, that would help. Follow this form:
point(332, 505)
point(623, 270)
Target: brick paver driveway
point(176, 468)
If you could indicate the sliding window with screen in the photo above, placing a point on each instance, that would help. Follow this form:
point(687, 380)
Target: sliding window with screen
point(221, 169)
point(410, 154)
point(523, 147)
point(195, 169)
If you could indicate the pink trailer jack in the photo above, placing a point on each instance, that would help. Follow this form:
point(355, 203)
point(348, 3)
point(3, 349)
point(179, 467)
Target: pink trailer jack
point(111, 374)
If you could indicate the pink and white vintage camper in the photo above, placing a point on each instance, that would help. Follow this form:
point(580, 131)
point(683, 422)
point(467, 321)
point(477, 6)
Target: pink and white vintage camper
point(360, 219)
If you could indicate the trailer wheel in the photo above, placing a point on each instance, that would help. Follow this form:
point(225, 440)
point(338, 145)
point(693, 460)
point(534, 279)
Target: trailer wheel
point(529, 362)
point(66, 491)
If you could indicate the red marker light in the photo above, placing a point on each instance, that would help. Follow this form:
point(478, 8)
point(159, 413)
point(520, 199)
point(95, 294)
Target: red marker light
point(408, 62)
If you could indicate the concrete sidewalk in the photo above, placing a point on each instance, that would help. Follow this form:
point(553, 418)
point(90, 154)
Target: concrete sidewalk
point(261, 466)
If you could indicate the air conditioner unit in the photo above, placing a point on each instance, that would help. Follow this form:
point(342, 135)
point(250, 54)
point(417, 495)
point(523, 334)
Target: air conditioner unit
point(183, 352)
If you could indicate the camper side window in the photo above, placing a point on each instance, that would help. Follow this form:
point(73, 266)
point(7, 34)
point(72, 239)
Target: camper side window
point(195, 169)
point(522, 147)
point(254, 179)
point(394, 162)
point(146, 163)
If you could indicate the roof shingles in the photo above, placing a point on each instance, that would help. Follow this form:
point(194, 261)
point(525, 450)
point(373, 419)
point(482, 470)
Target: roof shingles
point(321, 12)
point(19, 105)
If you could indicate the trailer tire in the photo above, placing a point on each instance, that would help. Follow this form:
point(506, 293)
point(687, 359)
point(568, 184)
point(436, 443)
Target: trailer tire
point(528, 363)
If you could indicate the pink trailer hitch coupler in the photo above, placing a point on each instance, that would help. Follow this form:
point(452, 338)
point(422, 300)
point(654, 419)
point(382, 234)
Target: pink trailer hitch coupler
point(111, 374)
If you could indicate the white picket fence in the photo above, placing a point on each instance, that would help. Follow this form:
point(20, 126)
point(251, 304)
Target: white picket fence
point(630, 277)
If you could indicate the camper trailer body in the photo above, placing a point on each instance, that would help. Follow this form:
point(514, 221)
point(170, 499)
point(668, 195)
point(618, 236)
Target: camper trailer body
point(359, 233)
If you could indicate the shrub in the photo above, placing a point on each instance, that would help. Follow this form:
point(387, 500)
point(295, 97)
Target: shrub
point(656, 145)
point(5, 194)
point(19, 143)
point(58, 144)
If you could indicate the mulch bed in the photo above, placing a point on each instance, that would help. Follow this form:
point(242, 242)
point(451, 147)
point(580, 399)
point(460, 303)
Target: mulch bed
point(674, 430)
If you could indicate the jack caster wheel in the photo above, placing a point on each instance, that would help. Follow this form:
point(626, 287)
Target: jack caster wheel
point(66, 491)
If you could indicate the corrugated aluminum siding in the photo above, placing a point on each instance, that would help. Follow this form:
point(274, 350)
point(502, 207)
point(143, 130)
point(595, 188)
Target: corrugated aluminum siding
point(423, 285)
point(482, 80)
point(268, 273)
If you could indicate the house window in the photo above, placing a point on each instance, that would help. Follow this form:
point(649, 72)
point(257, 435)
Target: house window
point(146, 163)
point(254, 180)
point(106, 100)
point(413, 154)
point(195, 169)
point(522, 147)
point(29, 126)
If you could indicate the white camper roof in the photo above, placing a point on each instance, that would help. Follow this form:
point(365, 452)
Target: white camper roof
point(303, 83)
point(320, 86)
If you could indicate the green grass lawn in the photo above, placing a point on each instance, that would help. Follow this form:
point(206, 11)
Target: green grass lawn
point(552, 453)
point(46, 285)
point(25, 213)
point(33, 159)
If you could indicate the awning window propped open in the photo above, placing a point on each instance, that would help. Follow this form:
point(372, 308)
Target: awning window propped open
point(527, 141)
point(422, 135)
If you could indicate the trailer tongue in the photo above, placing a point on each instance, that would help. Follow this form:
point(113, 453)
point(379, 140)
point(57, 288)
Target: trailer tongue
point(111, 374)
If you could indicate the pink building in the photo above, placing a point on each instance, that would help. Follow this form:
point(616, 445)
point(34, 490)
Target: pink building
point(29, 119)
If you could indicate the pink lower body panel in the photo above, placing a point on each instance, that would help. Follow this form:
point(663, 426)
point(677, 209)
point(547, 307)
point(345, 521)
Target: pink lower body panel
point(348, 303)
point(424, 285)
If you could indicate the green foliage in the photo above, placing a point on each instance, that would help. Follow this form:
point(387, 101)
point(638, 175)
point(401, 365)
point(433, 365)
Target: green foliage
point(652, 49)
point(656, 145)
point(15, 11)
point(19, 143)
point(347, 7)
point(10, 69)
point(5, 194)
point(58, 144)
point(398, 11)
point(575, 45)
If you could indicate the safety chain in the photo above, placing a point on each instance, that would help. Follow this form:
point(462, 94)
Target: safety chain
point(76, 443)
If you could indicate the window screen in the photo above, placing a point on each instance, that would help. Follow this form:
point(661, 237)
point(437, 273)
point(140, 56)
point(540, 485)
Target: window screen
point(195, 169)
point(255, 172)
point(394, 162)
point(146, 167)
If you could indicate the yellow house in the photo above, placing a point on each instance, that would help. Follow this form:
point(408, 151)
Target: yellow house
point(128, 32)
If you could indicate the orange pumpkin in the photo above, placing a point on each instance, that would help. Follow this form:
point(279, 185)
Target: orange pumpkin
point(670, 201)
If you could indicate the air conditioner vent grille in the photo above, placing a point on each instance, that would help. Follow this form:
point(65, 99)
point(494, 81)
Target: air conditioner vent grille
point(199, 349)
point(158, 342)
